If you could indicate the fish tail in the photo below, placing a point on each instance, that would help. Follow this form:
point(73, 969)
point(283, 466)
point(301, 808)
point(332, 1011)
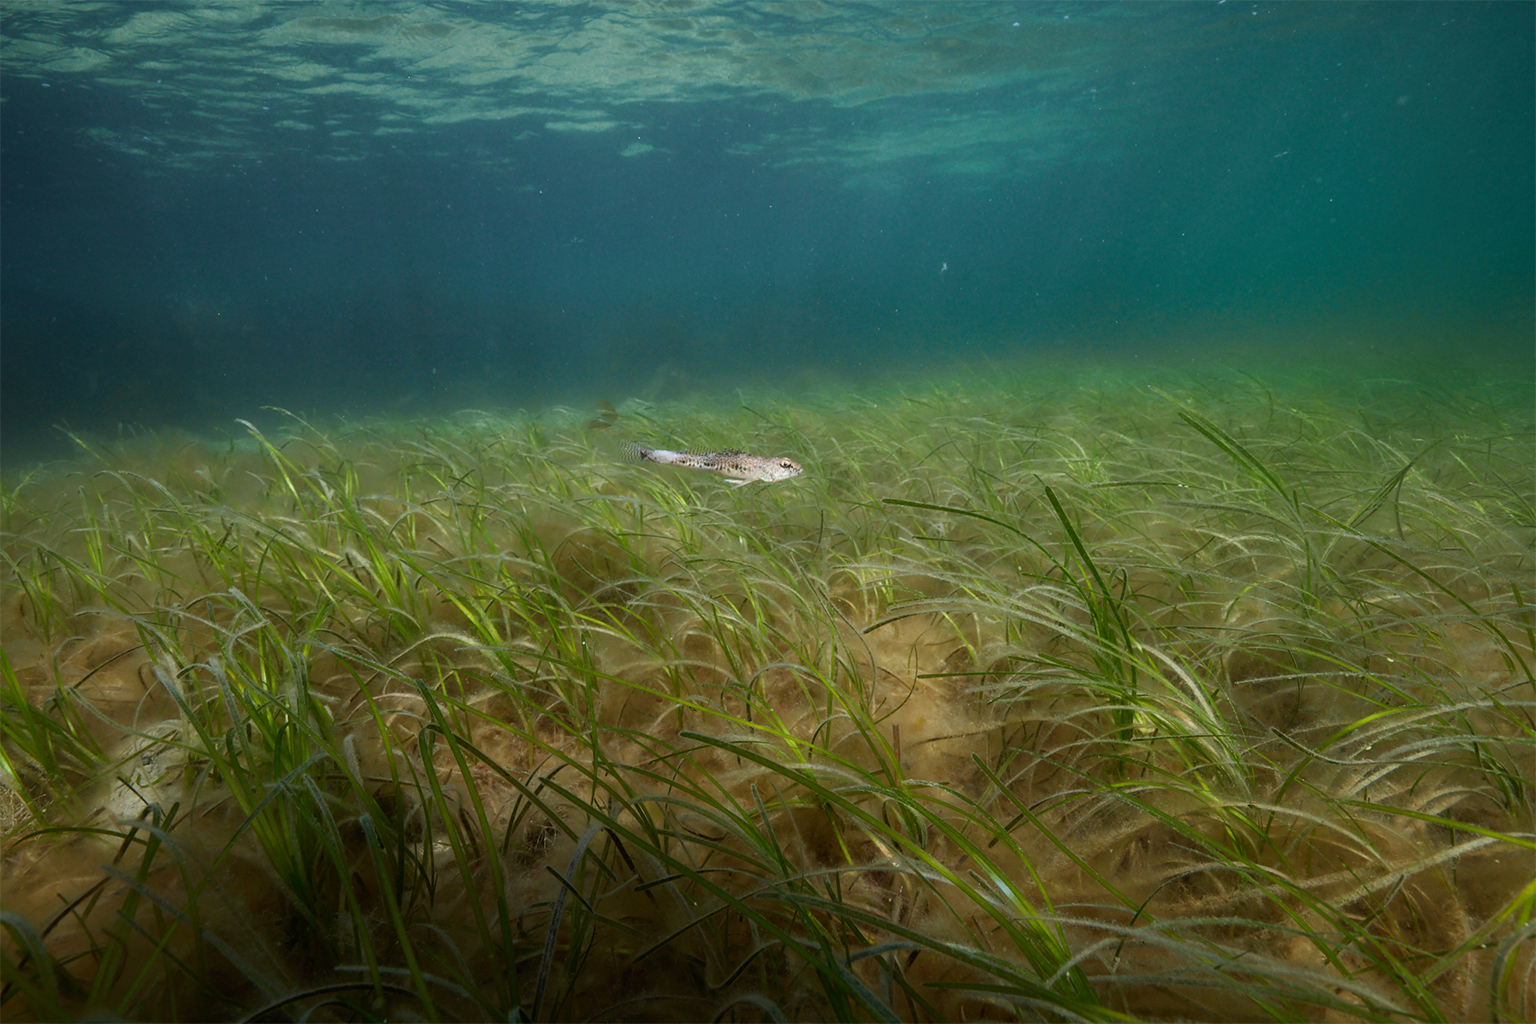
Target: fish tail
point(631, 452)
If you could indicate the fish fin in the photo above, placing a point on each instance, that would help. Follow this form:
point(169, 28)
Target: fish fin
point(738, 483)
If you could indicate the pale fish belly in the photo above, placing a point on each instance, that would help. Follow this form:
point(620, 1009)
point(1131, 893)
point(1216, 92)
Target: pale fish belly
point(737, 467)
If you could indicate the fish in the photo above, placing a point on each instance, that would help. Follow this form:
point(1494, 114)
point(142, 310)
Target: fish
point(738, 467)
point(606, 417)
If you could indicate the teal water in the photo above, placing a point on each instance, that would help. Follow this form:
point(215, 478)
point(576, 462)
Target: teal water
point(416, 208)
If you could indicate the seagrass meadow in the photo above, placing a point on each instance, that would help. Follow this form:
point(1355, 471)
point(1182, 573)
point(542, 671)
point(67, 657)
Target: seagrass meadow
point(1061, 691)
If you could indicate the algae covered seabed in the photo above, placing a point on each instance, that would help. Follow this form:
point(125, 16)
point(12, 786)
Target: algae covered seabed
point(1056, 692)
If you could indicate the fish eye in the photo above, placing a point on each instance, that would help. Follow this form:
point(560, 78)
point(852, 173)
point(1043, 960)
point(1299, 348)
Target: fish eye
point(786, 464)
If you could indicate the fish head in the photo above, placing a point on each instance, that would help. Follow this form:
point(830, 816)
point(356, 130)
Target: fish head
point(782, 469)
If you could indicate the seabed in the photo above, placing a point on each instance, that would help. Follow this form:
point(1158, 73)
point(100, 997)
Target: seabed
point(1049, 693)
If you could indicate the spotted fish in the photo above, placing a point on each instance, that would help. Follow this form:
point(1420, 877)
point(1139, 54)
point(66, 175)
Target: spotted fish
point(736, 466)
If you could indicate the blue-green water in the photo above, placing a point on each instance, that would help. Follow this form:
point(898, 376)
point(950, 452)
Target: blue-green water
point(208, 209)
